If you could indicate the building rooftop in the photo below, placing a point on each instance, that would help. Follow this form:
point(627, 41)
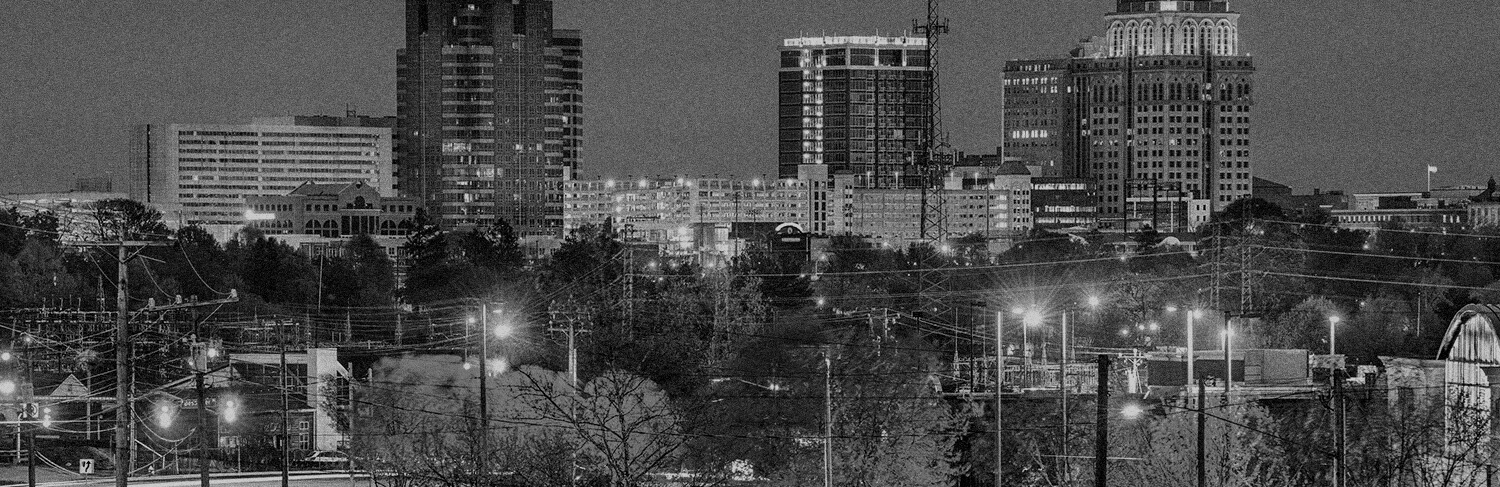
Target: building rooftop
point(318, 189)
point(1137, 6)
point(854, 40)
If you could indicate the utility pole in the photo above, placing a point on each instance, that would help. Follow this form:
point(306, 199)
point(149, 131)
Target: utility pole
point(1202, 421)
point(1338, 412)
point(286, 430)
point(1101, 425)
point(999, 388)
point(200, 359)
point(572, 332)
point(35, 415)
point(1062, 397)
point(124, 413)
point(200, 365)
point(828, 419)
point(569, 316)
point(484, 389)
point(349, 448)
point(1192, 355)
point(123, 409)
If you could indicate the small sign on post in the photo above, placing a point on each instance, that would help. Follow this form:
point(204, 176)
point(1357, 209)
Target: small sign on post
point(85, 466)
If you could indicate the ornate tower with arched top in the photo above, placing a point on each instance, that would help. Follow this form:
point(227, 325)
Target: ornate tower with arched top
point(1155, 113)
point(1154, 28)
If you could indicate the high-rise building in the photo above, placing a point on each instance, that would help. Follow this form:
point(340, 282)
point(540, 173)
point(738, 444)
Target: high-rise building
point(200, 174)
point(489, 103)
point(856, 104)
point(1158, 107)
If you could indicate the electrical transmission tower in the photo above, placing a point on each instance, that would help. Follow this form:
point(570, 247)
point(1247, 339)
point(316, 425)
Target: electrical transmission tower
point(934, 162)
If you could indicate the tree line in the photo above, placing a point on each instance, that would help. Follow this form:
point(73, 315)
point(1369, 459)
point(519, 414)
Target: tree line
point(740, 367)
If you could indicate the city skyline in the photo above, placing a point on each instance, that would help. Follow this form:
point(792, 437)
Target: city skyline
point(679, 88)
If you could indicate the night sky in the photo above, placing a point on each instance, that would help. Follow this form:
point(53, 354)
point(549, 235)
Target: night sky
point(1357, 95)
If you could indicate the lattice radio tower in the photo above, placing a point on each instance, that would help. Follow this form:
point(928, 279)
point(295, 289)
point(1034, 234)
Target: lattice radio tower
point(935, 161)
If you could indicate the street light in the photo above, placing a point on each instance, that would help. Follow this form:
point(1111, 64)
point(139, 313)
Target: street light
point(1228, 336)
point(501, 331)
point(1034, 317)
point(229, 414)
point(1333, 384)
point(1333, 322)
point(1029, 319)
point(164, 416)
point(1190, 315)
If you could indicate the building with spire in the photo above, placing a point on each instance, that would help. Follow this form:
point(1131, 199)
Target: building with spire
point(489, 109)
point(1157, 112)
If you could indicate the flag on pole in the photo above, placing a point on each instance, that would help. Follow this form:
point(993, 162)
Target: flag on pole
point(1431, 168)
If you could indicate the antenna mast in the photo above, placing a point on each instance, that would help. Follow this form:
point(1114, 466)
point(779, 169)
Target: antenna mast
point(934, 163)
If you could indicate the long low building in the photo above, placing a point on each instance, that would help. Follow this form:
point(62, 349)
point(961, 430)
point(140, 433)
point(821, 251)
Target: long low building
point(202, 173)
point(685, 215)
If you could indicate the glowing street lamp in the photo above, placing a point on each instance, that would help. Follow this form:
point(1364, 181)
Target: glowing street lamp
point(1333, 322)
point(1190, 315)
point(1033, 318)
point(231, 412)
point(164, 416)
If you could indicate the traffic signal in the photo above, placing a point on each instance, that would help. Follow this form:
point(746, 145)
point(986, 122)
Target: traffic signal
point(31, 411)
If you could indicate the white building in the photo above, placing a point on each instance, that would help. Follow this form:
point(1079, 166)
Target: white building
point(202, 173)
point(706, 215)
point(310, 372)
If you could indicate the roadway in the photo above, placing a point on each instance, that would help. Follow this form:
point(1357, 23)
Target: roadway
point(265, 479)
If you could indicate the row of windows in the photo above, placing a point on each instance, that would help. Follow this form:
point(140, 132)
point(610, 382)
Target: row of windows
point(274, 143)
point(280, 152)
point(808, 58)
point(216, 133)
point(1149, 38)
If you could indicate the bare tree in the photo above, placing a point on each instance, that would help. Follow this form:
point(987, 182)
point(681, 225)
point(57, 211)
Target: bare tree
point(624, 424)
point(420, 421)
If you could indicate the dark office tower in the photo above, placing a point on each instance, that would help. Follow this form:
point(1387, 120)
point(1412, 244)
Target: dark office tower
point(856, 104)
point(1157, 109)
point(489, 108)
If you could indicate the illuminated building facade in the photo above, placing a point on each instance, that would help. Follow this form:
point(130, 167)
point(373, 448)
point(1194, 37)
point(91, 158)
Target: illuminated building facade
point(489, 102)
point(202, 174)
point(1160, 107)
point(855, 104)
